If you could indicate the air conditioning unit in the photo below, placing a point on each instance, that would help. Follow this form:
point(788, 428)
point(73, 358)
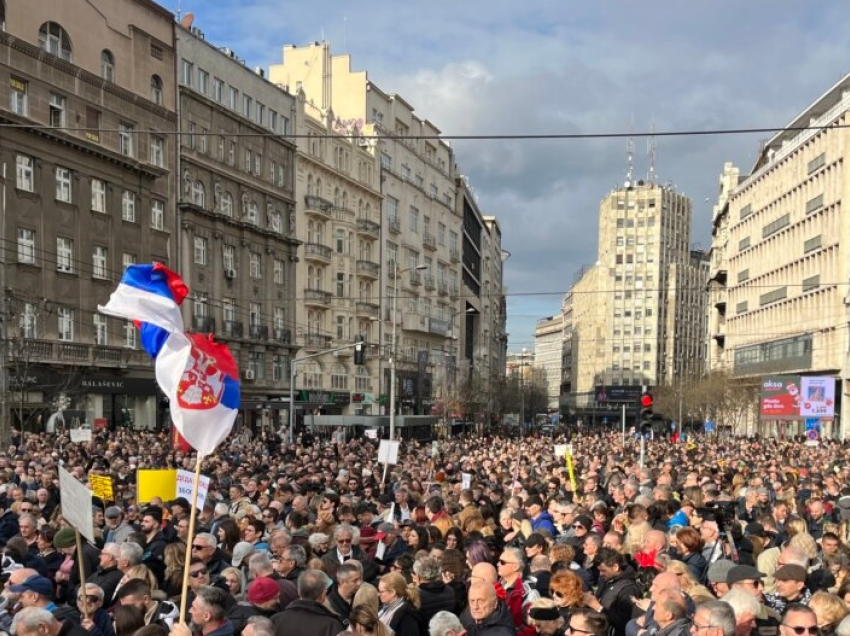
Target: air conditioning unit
point(230, 273)
point(249, 374)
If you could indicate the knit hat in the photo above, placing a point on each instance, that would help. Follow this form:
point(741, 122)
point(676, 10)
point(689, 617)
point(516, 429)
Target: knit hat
point(262, 590)
point(65, 538)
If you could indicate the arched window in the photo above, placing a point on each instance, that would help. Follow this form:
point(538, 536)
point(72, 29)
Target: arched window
point(274, 221)
point(107, 65)
point(312, 375)
point(199, 194)
point(156, 90)
point(227, 204)
point(320, 233)
point(253, 213)
point(339, 377)
point(54, 39)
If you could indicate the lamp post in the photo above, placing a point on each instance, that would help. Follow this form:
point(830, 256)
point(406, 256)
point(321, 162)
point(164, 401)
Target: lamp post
point(396, 272)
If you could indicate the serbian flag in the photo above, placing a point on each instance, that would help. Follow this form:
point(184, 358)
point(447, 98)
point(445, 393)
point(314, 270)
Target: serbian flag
point(201, 380)
point(151, 294)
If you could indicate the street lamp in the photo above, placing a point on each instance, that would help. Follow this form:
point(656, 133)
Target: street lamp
point(396, 272)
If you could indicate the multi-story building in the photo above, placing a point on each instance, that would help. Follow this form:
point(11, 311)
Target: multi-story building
point(786, 258)
point(638, 315)
point(421, 237)
point(236, 208)
point(88, 187)
point(338, 276)
point(718, 271)
point(548, 354)
point(566, 352)
point(494, 314)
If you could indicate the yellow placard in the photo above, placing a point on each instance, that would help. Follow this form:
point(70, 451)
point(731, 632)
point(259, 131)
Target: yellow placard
point(571, 471)
point(156, 483)
point(101, 486)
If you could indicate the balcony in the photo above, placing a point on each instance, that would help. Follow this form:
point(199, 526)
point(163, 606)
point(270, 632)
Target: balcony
point(439, 327)
point(415, 322)
point(316, 341)
point(318, 206)
point(258, 332)
point(429, 241)
point(203, 324)
point(368, 309)
point(283, 336)
point(369, 227)
point(317, 297)
point(415, 278)
point(232, 329)
point(317, 252)
point(31, 351)
point(455, 255)
point(394, 225)
point(443, 288)
point(429, 282)
point(368, 268)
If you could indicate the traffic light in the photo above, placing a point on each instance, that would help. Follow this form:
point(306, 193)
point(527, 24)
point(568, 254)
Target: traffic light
point(359, 350)
point(646, 402)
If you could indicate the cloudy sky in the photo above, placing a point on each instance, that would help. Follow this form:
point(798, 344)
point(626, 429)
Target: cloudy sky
point(481, 67)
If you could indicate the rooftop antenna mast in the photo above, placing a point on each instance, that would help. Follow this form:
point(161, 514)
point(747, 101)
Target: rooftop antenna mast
point(651, 151)
point(631, 155)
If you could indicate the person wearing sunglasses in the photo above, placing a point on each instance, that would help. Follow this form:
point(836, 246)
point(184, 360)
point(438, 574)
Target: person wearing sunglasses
point(92, 603)
point(799, 620)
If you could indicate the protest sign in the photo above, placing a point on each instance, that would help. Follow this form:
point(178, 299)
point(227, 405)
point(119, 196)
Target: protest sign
point(80, 435)
point(76, 504)
point(156, 483)
point(101, 486)
point(388, 452)
point(185, 480)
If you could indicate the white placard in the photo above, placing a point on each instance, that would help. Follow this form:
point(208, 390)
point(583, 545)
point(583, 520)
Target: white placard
point(380, 551)
point(371, 433)
point(76, 504)
point(185, 479)
point(391, 518)
point(560, 450)
point(466, 481)
point(388, 452)
point(569, 449)
point(80, 435)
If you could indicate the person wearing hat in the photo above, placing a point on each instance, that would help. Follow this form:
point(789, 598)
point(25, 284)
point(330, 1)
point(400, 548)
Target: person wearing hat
point(717, 576)
point(65, 541)
point(262, 599)
point(540, 518)
point(545, 617)
point(748, 579)
point(118, 528)
point(790, 588)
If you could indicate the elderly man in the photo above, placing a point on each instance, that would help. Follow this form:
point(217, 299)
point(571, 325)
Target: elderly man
point(434, 595)
point(261, 565)
point(118, 528)
point(485, 615)
point(205, 547)
point(90, 603)
point(309, 614)
point(671, 614)
point(36, 621)
point(798, 620)
point(445, 624)
point(511, 567)
point(647, 623)
point(714, 618)
point(108, 575)
point(746, 609)
point(37, 591)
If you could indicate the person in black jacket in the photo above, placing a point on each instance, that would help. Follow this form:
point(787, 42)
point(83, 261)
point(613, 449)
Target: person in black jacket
point(434, 595)
point(617, 586)
point(108, 575)
point(349, 577)
point(8, 522)
point(263, 600)
point(486, 614)
point(308, 615)
point(155, 542)
point(399, 605)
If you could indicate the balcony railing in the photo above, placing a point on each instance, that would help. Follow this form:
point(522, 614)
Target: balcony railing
point(258, 332)
point(283, 336)
point(203, 324)
point(76, 353)
point(455, 255)
point(394, 225)
point(368, 226)
point(318, 205)
point(368, 309)
point(369, 268)
point(233, 329)
point(429, 282)
point(317, 251)
point(317, 296)
point(316, 340)
point(429, 241)
point(415, 278)
point(443, 288)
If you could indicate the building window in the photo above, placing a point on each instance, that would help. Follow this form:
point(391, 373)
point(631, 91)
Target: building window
point(257, 364)
point(157, 214)
point(99, 260)
point(279, 366)
point(275, 222)
point(187, 71)
point(253, 213)
point(101, 332)
point(29, 321)
point(157, 151)
point(229, 258)
point(198, 194)
point(63, 185)
point(125, 139)
point(129, 335)
point(247, 105)
point(339, 377)
point(156, 90)
point(24, 173)
point(233, 98)
point(256, 269)
point(128, 259)
point(200, 250)
point(203, 81)
point(18, 96)
point(227, 204)
point(128, 206)
point(312, 375)
point(64, 254)
point(57, 110)
point(107, 65)
point(218, 90)
point(54, 39)
point(92, 124)
point(98, 195)
point(26, 245)
point(414, 220)
point(278, 271)
point(66, 324)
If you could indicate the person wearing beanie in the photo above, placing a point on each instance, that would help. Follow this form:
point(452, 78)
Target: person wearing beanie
point(68, 578)
point(262, 599)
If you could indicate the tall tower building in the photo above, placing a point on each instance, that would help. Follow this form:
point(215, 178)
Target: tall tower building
point(638, 314)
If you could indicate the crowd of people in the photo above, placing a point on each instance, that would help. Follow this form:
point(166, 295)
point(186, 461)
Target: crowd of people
point(476, 535)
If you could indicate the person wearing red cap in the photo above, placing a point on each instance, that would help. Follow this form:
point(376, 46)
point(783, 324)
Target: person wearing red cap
point(263, 600)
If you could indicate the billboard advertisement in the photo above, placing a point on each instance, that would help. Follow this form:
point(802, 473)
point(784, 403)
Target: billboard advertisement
point(792, 397)
point(818, 397)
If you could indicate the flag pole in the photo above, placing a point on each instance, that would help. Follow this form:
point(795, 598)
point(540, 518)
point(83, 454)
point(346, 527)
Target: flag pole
point(184, 592)
point(82, 573)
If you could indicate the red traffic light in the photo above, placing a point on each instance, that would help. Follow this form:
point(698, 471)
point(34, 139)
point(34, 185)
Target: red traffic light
point(646, 401)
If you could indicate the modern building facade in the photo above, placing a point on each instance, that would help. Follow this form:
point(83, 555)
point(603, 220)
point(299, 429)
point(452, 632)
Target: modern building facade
point(338, 275)
point(548, 355)
point(88, 187)
point(421, 225)
point(237, 217)
point(786, 260)
point(638, 315)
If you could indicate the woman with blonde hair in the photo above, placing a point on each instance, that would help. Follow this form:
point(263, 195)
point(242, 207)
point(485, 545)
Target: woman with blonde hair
point(141, 572)
point(567, 593)
point(635, 537)
point(805, 543)
point(175, 559)
point(690, 585)
point(367, 595)
point(364, 620)
point(235, 582)
point(794, 527)
point(561, 552)
point(399, 604)
point(829, 609)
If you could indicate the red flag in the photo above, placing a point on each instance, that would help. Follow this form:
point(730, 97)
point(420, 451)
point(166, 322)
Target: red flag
point(178, 442)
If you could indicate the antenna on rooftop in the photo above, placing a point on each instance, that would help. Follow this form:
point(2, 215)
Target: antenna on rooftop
point(631, 155)
point(651, 150)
